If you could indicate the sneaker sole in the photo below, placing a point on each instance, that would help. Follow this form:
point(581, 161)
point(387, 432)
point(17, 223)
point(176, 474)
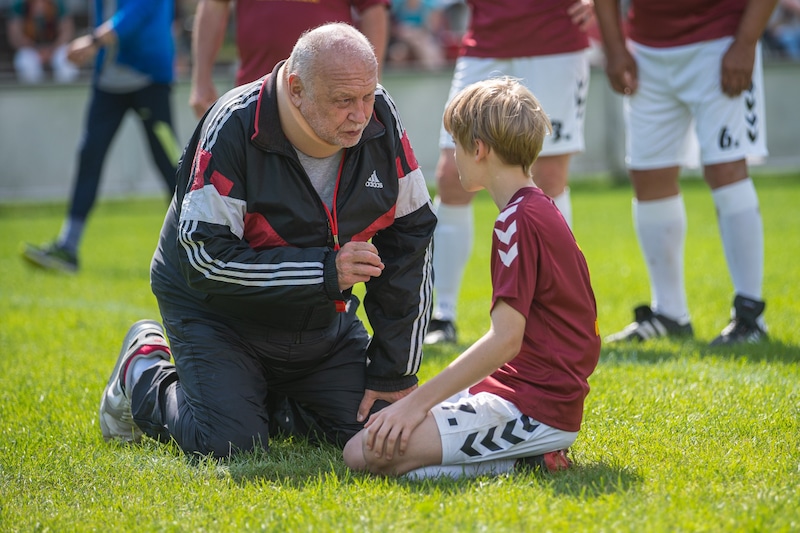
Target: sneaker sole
point(127, 344)
point(42, 260)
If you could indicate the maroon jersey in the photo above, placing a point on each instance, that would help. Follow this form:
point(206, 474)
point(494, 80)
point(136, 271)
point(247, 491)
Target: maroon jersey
point(521, 28)
point(538, 269)
point(267, 30)
point(663, 23)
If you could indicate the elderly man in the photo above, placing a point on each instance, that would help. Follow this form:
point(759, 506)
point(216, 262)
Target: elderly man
point(292, 189)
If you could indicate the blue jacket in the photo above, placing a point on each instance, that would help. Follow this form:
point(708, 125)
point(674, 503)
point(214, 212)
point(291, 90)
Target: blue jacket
point(144, 33)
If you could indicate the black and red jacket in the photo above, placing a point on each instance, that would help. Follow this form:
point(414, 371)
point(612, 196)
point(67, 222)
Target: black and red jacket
point(248, 239)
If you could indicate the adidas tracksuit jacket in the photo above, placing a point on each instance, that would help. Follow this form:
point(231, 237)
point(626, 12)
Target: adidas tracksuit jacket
point(248, 240)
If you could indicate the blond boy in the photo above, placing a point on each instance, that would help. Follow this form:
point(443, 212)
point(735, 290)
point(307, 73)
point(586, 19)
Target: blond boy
point(516, 394)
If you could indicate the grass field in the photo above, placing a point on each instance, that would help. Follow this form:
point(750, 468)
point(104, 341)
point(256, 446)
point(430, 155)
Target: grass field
point(676, 436)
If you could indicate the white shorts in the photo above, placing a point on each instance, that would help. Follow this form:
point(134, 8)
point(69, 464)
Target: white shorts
point(484, 427)
point(560, 82)
point(680, 89)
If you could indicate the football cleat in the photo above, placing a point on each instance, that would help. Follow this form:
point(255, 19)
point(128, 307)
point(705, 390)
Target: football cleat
point(51, 256)
point(440, 332)
point(648, 325)
point(747, 323)
point(547, 462)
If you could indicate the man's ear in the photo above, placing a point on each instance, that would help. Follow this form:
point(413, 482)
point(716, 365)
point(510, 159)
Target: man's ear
point(296, 89)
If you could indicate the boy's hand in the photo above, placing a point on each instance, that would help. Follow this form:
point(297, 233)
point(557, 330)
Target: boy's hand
point(390, 428)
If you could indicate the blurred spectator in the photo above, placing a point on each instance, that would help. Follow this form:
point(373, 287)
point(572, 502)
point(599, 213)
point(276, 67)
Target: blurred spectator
point(132, 47)
point(38, 31)
point(783, 30)
point(266, 33)
point(414, 39)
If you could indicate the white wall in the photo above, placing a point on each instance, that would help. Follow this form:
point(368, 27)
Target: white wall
point(40, 128)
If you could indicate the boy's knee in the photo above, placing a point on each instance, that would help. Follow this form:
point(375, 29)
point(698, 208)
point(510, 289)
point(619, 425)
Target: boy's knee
point(353, 453)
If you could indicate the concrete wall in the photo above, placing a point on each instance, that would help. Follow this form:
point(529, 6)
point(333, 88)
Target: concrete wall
point(40, 128)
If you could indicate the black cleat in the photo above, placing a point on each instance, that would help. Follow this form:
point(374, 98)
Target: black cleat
point(746, 325)
point(440, 332)
point(649, 325)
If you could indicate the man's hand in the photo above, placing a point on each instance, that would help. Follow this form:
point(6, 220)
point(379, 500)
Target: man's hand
point(623, 75)
point(357, 262)
point(371, 396)
point(81, 50)
point(737, 68)
point(582, 13)
point(201, 97)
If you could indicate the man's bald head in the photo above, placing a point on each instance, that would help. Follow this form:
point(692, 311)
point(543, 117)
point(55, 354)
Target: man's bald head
point(327, 45)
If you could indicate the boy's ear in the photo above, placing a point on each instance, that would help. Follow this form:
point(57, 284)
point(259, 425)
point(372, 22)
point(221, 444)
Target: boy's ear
point(481, 150)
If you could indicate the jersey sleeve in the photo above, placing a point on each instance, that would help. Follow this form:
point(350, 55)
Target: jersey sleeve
point(515, 256)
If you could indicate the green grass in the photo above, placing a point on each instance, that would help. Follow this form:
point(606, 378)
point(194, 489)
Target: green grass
point(676, 436)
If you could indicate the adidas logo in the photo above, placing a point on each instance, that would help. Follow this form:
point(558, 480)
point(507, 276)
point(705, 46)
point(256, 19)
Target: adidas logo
point(373, 181)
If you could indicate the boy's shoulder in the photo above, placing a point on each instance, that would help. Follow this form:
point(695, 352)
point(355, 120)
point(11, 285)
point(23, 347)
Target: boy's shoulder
point(526, 200)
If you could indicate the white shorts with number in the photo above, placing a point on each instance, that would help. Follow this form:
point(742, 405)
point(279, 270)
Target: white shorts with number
point(560, 82)
point(484, 427)
point(680, 89)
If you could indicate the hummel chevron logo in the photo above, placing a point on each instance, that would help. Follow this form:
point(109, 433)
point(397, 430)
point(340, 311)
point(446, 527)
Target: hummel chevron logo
point(467, 447)
point(508, 434)
point(507, 212)
point(508, 257)
point(505, 236)
point(373, 181)
point(472, 446)
point(488, 443)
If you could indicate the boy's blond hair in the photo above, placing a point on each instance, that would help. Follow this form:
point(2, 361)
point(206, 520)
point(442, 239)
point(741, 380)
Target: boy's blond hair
point(503, 114)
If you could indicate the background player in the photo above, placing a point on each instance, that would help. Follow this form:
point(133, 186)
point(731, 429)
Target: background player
point(704, 68)
point(551, 60)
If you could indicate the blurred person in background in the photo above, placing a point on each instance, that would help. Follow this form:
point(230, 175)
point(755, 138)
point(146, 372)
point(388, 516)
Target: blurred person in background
point(546, 46)
point(266, 33)
point(687, 64)
point(784, 28)
point(133, 51)
point(39, 31)
point(414, 35)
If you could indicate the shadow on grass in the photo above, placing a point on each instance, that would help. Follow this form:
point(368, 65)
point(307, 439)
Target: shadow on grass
point(768, 352)
point(298, 465)
point(584, 481)
point(589, 481)
point(663, 351)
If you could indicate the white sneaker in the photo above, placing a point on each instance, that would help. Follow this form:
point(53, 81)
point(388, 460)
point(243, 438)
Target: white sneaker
point(145, 339)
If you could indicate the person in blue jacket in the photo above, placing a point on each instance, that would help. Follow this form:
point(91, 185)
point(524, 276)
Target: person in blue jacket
point(134, 51)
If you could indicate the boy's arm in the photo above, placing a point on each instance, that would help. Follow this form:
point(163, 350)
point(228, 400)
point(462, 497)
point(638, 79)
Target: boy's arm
point(500, 344)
